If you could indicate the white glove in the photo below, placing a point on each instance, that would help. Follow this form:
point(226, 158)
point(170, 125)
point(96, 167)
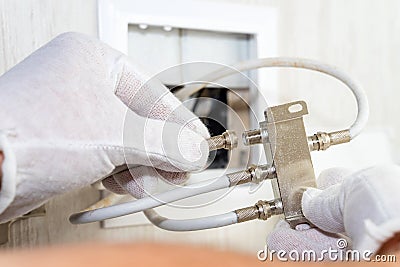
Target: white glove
point(62, 126)
point(304, 237)
point(364, 207)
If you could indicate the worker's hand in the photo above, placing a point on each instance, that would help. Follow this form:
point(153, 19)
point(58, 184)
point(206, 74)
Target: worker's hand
point(363, 206)
point(305, 237)
point(75, 111)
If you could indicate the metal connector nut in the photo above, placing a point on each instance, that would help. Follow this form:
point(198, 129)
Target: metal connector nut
point(262, 210)
point(252, 137)
point(254, 173)
point(228, 140)
point(268, 208)
point(263, 172)
point(323, 140)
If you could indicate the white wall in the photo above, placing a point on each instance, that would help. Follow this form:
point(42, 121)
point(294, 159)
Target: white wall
point(360, 36)
point(25, 25)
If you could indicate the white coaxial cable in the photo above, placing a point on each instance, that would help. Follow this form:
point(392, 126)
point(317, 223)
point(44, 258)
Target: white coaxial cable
point(208, 222)
point(353, 85)
point(149, 202)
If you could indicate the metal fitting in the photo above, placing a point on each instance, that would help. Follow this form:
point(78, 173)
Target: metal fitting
point(268, 208)
point(262, 210)
point(322, 140)
point(254, 173)
point(240, 177)
point(262, 172)
point(252, 137)
point(247, 214)
point(228, 140)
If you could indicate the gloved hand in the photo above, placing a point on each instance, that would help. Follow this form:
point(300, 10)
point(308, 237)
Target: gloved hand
point(305, 237)
point(74, 111)
point(361, 205)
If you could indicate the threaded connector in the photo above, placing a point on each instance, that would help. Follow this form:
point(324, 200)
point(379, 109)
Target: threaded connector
point(240, 177)
point(268, 208)
point(252, 137)
point(322, 140)
point(263, 172)
point(247, 214)
point(228, 140)
point(255, 174)
point(262, 210)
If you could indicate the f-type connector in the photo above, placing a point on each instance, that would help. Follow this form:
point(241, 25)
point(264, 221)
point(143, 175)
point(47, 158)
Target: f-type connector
point(262, 210)
point(322, 140)
point(252, 137)
point(228, 140)
point(254, 174)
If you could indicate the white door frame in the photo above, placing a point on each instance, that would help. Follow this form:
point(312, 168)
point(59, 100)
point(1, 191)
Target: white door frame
point(261, 22)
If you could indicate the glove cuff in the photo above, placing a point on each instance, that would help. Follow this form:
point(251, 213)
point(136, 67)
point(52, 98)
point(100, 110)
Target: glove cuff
point(9, 170)
point(377, 235)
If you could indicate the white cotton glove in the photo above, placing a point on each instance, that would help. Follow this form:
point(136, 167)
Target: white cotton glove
point(63, 126)
point(363, 207)
point(304, 237)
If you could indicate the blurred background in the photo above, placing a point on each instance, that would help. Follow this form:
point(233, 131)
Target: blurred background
point(359, 36)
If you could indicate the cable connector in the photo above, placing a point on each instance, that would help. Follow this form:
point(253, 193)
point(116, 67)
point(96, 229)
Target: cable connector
point(262, 210)
point(262, 172)
point(228, 140)
point(254, 173)
point(322, 140)
point(252, 137)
